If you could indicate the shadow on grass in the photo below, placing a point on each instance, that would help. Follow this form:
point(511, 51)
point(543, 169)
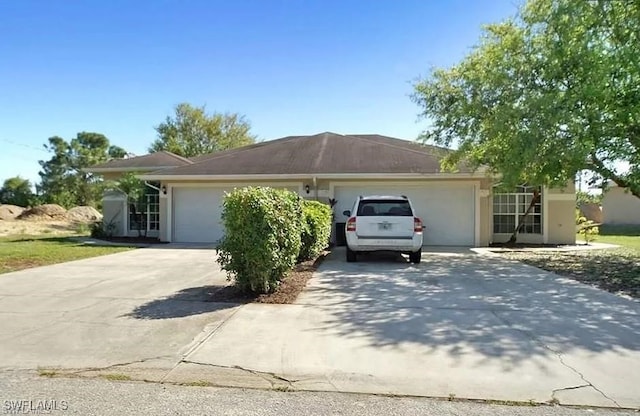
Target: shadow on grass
point(616, 271)
point(620, 230)
point(40, 238)
point(72, 240)
point(186, 302)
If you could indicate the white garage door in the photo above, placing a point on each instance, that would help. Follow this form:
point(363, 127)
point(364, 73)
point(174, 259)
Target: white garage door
point(446, 209)
point(196, 214)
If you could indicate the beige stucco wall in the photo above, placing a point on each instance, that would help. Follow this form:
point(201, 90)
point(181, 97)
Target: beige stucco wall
point(620, 207)
point(561, 221)
point(486, 220)
point(162, 235)
point(321, 191)
point(568, 189)
point(558, 214)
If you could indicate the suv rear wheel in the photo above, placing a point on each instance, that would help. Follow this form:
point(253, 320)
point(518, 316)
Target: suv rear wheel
point(415, 257)
point(351, 255)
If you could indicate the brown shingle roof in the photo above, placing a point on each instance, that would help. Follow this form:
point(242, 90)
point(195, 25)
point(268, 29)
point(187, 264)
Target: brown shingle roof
point(153, 161)
point(327, 153)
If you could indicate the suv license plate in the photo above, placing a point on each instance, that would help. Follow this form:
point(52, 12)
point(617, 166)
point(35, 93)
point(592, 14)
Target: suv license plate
point(384, 226)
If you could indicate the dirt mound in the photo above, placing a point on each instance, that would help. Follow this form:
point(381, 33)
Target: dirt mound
point(83, 214)
point(45, 212)
point(10, 212)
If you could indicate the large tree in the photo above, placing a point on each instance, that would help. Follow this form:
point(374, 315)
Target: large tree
point(63, 180)
point(549, 93)
point(191, 131)
point(16, 191)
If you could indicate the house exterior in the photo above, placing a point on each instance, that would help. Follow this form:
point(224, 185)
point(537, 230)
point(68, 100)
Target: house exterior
point(458, 209)
point(620, 207)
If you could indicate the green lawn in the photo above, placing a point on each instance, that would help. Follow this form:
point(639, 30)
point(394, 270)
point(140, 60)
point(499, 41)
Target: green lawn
point(625, 236)
point(23, 252)
point(616, 270)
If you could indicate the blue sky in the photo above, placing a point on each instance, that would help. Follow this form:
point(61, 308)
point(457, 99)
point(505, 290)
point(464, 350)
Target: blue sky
point(292, 67)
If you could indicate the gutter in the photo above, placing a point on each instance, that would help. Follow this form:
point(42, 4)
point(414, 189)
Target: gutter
point(159, 177)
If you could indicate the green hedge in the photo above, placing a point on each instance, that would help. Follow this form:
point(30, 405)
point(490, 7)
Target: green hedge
point(262, 238)
point(316, 229)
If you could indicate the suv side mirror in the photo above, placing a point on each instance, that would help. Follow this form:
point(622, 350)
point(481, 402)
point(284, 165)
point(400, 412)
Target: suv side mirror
point(346, 213)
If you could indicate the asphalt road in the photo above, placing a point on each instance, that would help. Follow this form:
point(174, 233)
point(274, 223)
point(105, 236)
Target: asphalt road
point(74, 396)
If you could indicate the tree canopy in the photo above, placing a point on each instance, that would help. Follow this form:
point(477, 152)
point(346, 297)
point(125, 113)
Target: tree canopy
point(191, 131)
point(16, 191)
point(546, 94)
point(63, 180)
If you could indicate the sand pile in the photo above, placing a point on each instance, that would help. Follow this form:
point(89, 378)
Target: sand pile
point(83, 214)
point(10, 212)
point(45, 212)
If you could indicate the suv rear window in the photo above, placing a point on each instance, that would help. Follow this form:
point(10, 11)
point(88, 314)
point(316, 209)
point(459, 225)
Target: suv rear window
point(384, 207)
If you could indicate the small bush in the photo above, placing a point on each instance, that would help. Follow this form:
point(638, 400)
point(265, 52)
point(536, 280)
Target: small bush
point(262, 237)
point(97, 230)
point(587, 228)
point(316, 229)
point(100, 229)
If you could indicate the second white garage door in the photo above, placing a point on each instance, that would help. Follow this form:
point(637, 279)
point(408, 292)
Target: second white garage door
point(446, 209)
point(196, 214)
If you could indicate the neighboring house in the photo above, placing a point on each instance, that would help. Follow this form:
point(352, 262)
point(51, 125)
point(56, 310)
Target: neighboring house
point(619, 206)
point(458, 209)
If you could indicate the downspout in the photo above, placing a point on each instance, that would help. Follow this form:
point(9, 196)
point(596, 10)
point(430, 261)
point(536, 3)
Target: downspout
point(315, 187)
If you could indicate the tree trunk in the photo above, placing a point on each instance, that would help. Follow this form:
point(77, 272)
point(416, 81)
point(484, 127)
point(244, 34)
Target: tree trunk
point(534, 201)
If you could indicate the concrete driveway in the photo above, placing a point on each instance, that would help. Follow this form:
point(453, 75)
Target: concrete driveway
point(143, 305)
point(458, 324)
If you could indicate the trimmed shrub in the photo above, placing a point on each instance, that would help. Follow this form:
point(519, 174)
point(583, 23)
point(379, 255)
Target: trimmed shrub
point(587, 228)
point(262, 237)
point(316, 229)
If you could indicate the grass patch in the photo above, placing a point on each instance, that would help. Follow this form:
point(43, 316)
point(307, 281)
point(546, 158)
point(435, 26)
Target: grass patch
point(616, 270)
point(23, 252)
point(623, 235)
point(116, 377)
point(47, 373)
point(200, 383)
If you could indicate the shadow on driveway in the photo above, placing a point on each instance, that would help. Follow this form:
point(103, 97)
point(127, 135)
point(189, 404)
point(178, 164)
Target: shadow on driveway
point(186, 302)
point(470, 304)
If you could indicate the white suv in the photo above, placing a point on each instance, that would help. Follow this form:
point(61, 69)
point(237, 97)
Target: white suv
point(383, 223)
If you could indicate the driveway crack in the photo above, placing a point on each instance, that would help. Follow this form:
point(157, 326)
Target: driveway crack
point(265, 375)
point(558, 354)
point(117, 365)
point(199, 343)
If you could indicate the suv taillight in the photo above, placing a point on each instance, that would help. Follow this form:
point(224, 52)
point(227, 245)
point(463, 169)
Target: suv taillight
point(417, 225)
point(351, 224)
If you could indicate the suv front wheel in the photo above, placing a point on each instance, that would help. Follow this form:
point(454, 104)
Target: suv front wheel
point(415, 257)
point(351, 255)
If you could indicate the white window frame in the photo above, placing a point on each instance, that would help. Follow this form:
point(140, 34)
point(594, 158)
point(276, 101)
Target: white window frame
point(522, 199)
point(149, 203)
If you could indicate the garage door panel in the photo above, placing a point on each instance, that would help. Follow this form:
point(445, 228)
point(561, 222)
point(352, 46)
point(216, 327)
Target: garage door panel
point(197, 214)
point(447, 210)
